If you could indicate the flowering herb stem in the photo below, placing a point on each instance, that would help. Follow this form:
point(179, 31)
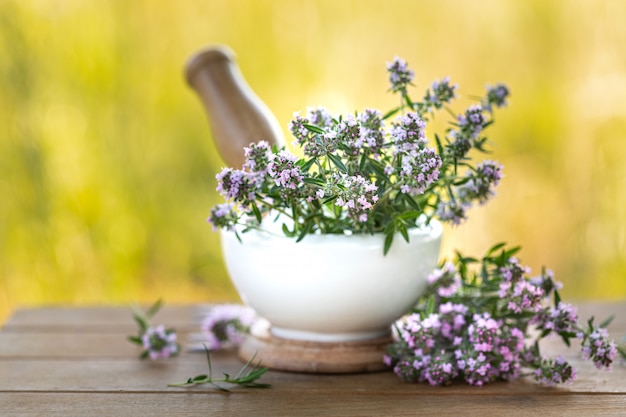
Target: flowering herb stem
point(157, 341)
point(481, 320)
point(247, 377)
point(362, 172)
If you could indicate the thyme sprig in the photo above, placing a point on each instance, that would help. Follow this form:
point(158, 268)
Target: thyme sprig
point(157, 341)
point(246, 377)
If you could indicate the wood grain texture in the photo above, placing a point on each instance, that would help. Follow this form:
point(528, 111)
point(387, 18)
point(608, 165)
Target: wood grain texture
point(70, 362)
point(69, 404)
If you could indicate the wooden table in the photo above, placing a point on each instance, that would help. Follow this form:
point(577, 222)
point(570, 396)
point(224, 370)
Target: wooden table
point(77, 362)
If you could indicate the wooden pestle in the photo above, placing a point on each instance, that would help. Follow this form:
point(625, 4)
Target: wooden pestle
point(237, 116)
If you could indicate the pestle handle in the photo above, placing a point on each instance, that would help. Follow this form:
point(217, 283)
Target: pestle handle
point(237, 116)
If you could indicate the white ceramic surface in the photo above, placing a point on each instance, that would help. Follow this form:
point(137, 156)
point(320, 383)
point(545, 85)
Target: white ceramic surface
point(331, 287)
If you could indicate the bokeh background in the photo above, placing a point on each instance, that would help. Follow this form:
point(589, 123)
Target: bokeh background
point(107, 164)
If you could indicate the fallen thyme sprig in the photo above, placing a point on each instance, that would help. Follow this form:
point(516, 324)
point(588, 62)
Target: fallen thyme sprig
point(246, 377)
point(157, 341)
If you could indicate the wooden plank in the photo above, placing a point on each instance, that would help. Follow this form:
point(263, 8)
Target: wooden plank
point(131, 375)
point(51, 319)
point(260, 403)
point(103, 319)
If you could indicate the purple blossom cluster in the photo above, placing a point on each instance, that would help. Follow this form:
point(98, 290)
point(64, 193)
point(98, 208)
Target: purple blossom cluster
point(479, 186)
point(258, 156)
point(223, 216)
point(372, 130)
point(284, 171)
point(452, 343)
point(461, 332)
point(597, 347)
point(315, 144)
point(496, 96)
point(473, 121)
point(236, 184)
point(555, 371)
point(419, 171)
point(445, 281)
point(481, 183)
point(400, 76)
point(159, 342)
point(452, 212)
point(441, 92)
point(226, 325)
point(358, 195)
point(409, 133)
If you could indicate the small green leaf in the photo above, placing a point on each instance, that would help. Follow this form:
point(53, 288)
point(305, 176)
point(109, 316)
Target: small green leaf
point(388, 241)
point(314, 181)
point(313, 128)
point(257, 213)
point(135, 339)
point(286, 231)
point(305, 166)
point(329, 199)
point(403, 231)
point(305, 230)
point(430, 307)
point(607, 322)
point(391, 113)
point(337, 162)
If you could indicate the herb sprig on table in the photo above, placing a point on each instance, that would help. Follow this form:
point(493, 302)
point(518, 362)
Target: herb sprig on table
point(481, 320)
point(157, 341)
point(247, 377)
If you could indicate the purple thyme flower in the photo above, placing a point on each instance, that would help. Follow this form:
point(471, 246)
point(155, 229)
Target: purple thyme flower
point(226, 325)
point(481, 183)
point(452, 319)
point(236, 185)
point(446, 281)
point(562, 318)
point(496, 96)
point(284, 171)
point(400, 76)
point(460, 145)
point(408, 133)
point(452, 212)
point(223, 215)
point(555, 371)
point(420, 333)
point(348, 133)
point(299, 132)
point(473, 121)
point(372, 126)
point(513, 271)
point(521, 296)
point(597, 347)
point(159, 342)
point(358, 195)
point(420, 169)
point(547, 283)
point(257, 158)
point(441, 369)
point(319, 116)
point(442, 93)
point(477, 370)
point(483, 332)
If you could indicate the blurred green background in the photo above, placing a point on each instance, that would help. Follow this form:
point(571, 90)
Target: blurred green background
point(107, 164)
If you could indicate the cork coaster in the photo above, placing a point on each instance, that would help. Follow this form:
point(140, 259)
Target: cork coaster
point(315, 357)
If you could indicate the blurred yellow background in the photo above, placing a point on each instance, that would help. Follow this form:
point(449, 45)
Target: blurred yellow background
point(107, 165)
